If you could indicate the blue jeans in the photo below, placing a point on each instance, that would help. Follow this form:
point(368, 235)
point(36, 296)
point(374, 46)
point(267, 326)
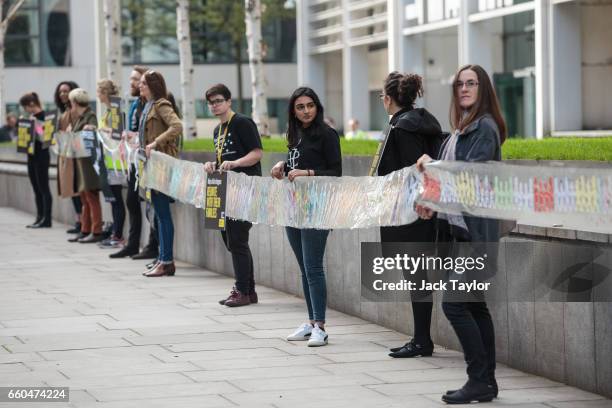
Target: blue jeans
point(309, 247)
point(165, 230)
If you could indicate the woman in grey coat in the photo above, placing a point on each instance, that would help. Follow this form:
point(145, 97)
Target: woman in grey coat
point(479, 131)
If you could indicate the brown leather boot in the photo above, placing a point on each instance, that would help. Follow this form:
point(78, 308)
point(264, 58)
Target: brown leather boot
point(161, 270)
point(237, 298)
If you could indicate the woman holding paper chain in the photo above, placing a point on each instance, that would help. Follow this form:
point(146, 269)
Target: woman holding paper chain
point(479, 131)
point(160, 129)
point(314, 150)
point(115, 176)
point(86, 179)
point(413, 132)
point(65, 167)
point(38, 164)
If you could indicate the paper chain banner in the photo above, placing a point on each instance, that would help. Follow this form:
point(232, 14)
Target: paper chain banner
point(574, 198)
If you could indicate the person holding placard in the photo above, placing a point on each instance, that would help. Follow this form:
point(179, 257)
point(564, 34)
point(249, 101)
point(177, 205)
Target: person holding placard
point(238, 147)
point(65, 166)
point(38, 163)
point(479, 130)
point(82, 118)
point(115, 175)
point(314, 150)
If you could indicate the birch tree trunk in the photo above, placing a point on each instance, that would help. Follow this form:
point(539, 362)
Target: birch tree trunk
point(3, 28)
point(258, 78)
point(186, 61)
point(112, 30)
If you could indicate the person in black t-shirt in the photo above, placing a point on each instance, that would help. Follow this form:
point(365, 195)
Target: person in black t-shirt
point(238, 148)
point(38, 165)
point(314, 150)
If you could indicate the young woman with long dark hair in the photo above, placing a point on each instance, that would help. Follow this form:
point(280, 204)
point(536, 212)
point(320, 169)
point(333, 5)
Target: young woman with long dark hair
point(314, 150)
point(65, 167)
point(479, 131)
point(38, 165)
point(160, 129)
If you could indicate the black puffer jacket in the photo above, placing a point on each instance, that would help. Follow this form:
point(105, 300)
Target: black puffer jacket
point(414, 132)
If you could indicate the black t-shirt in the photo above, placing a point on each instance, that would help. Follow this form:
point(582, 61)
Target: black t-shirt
point(318, 150)
point(242, 137)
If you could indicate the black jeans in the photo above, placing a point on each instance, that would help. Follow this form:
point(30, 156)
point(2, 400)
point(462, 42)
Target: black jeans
point(474, 327)
point(76, 203)
point(422, 304)
point(118, 207)
point(236, 239)
point(38, 172)
point(133, 206)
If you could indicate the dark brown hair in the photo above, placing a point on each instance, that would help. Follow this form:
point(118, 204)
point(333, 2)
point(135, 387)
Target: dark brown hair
point(404, 89)
point(218, 89)
point(30, 98)
point(156, 83)
point(486, 103)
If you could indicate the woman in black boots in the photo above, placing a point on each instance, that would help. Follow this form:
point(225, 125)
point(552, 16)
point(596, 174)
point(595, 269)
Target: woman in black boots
point(479, 131)
point(413, 132)
point(38, 165)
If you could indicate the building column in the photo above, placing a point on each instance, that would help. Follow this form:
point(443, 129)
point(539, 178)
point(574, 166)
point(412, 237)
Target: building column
point(566, 67)
point(542, 66)
point(395, 39)
point(478, 43)
point(356, 98)
point(311, 68)
point(100, 49)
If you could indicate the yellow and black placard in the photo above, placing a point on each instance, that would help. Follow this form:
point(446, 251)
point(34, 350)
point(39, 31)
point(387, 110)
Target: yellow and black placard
point(116, 117)
point(214, 210)
point(49, 127)
point(25, 136)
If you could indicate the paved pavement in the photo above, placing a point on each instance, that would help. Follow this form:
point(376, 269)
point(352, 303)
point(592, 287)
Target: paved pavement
point(70, 316)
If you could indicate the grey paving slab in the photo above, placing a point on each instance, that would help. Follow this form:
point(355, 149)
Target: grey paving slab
point(72, 317)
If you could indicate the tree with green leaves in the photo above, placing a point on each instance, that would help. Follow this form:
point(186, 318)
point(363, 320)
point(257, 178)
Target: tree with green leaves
point(225, 20)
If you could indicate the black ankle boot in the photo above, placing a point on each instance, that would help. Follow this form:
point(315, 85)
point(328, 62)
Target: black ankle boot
point(472, 391)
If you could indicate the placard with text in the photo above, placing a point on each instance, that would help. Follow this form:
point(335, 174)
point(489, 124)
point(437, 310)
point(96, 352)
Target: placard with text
point(25, 136)
point(214, 210)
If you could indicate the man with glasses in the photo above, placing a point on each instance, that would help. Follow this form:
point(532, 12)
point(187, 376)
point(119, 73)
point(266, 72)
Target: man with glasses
point(238, 148)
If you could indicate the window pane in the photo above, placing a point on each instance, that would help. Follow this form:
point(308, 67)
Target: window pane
point(24, 23)
point(56, 33)
point(23, 51)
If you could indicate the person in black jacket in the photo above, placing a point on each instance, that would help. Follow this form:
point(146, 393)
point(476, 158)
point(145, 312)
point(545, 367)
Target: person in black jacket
point(479, 131)
point(314, 150)
point(413, 132)
point(38, 165)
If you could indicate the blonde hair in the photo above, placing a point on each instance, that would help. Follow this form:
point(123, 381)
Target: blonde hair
point(108, 87)
point(79, 96)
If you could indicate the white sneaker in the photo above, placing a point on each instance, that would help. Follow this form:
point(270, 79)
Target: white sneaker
point(318, 337)
point(301, 334)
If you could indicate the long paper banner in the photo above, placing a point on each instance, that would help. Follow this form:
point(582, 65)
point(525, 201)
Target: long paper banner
point(575, 198)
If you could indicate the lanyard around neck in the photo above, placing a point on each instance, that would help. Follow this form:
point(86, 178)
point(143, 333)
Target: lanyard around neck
point(221, 138)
